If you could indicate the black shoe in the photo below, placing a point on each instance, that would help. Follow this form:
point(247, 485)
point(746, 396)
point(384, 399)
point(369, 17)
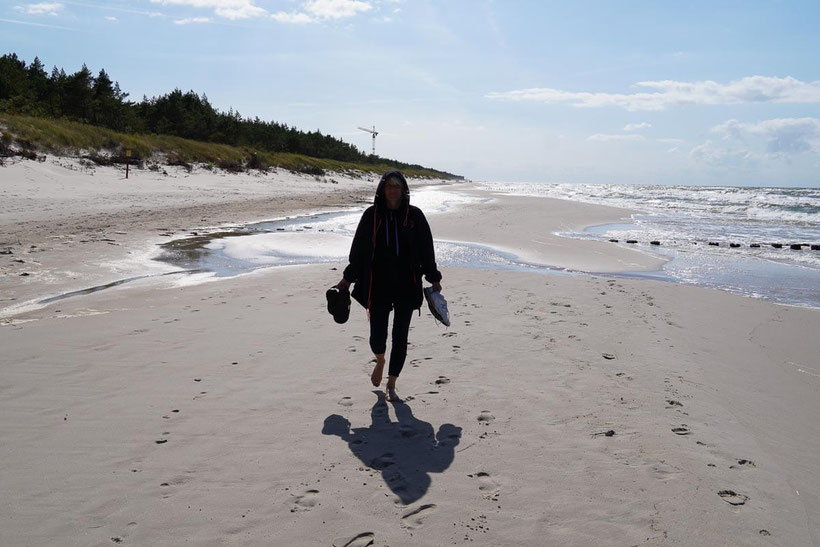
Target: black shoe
point(338, 304)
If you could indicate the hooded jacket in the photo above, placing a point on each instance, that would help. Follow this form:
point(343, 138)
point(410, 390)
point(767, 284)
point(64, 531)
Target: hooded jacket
point(404, 231)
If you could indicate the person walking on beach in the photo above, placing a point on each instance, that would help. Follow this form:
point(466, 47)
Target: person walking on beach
point(392, 248)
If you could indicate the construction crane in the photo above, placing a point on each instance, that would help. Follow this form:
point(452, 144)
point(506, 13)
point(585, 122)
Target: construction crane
point(374, 133)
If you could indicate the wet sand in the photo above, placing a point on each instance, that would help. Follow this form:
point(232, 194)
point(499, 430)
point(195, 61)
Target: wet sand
point(559, 410)
point(526, 227)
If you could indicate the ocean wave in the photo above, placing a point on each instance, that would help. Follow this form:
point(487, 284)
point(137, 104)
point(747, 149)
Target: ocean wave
point(785, 205)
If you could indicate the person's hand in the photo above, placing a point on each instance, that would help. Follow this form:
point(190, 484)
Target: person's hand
point(343, 285)
point(436, 287)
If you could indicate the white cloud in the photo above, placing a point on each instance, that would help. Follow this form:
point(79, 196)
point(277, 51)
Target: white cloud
point(669, 93)
point(229, 9)
point(779, 138)
point(319, 10)
point(637, 126)
point(718, 156)
point(190, 20)
point(336, 9)
point(600, 137)
point(783, 135)
point(42, 8)
point(296, 17)
point(112, 19)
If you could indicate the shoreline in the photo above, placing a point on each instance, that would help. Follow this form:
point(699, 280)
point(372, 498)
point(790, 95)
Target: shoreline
point(527, 226)
point(141, 260)
point(89, 238)
point(123, 241)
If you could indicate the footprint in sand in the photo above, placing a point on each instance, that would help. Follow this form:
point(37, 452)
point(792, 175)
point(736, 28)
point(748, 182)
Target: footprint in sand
point(362, 540)
point(442, 380)
point(485, 417)
point(346, 401)
point(306, 501)
point(489, 489)
point(176, 481)
point(449, 334)
point(663, 472)
point(415, 517)
point(743, 463)
point(682, 430)
point(733, 498)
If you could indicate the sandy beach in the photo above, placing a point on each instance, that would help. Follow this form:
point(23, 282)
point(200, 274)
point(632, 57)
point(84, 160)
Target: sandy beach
point(556, 409)
point(69, 227)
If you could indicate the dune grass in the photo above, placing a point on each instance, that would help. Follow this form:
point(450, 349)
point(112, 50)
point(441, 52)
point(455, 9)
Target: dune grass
point(68, 138)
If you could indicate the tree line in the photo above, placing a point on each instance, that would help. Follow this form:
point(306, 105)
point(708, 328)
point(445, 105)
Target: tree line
point(28, 89)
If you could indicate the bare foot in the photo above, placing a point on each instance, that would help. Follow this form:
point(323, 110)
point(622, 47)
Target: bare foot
point(390, 391)
point(378, 371)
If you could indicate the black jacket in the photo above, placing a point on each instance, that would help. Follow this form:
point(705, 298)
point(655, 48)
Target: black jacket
point(412, 235)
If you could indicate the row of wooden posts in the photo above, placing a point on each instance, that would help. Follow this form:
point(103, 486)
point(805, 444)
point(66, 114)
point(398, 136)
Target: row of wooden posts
point(793, 246)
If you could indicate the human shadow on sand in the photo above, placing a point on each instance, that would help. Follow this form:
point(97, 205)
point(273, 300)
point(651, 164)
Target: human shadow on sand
point(405, 452)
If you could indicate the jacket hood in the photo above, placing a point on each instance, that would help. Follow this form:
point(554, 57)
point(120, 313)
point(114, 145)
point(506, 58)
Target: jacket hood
point(380, 202)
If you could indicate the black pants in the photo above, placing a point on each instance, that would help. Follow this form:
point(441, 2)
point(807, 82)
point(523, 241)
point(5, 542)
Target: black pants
point(379, 314)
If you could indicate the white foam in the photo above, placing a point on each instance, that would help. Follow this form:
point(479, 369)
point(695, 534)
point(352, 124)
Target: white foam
point(787, 205)
point(284, 247)
point(435, 200)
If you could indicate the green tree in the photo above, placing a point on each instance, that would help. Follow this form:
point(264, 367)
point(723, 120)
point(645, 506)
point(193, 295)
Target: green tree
point(78, 97)
point(13, 78)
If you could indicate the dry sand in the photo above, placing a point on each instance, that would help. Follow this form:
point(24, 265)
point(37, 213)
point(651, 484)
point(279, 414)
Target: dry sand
point(238, 412)
point(69, 227)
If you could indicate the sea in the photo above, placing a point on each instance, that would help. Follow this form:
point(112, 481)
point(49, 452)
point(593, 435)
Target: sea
point(737, 239)
point(755, 242)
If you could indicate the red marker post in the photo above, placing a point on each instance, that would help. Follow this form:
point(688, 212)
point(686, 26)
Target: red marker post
point(127, 161)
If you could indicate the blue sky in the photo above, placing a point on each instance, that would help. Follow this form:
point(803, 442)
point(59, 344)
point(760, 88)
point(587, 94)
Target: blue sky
point(616, 92)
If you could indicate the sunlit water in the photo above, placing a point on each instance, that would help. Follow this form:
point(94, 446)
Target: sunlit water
point(686, 219)
point(324, 238)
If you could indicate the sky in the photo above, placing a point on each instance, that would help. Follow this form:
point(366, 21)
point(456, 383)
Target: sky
point(703, 93)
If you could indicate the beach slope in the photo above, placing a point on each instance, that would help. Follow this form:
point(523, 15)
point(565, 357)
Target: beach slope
point(557, 409)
